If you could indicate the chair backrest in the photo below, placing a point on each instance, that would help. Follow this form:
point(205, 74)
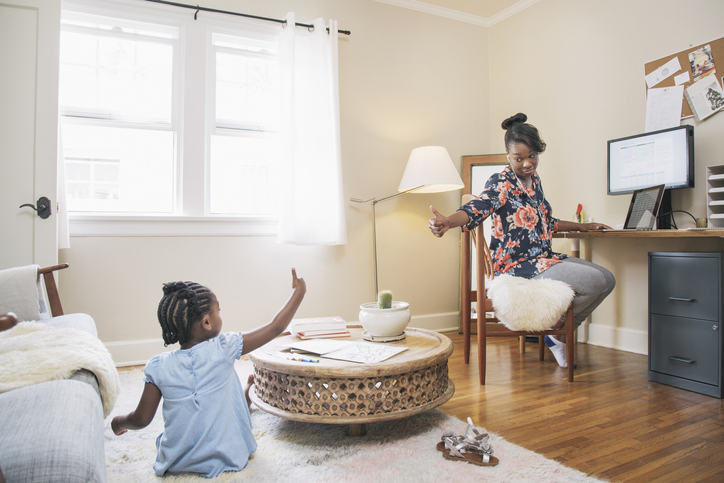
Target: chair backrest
point(31, 297)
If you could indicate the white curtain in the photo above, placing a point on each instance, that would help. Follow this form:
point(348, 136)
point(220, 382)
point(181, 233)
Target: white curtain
point(62, 218)
point(311, 207)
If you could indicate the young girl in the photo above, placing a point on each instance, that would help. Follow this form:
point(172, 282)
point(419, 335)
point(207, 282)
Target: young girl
point(207, 428)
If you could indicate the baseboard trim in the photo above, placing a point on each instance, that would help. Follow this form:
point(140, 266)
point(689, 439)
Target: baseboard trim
point(628, 340)
point(138, 352)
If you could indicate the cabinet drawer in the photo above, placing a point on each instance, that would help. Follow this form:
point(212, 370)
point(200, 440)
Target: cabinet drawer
point(684, 286)
point(686, 348)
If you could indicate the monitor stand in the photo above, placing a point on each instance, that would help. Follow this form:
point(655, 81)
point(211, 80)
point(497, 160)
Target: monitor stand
point(665, 218)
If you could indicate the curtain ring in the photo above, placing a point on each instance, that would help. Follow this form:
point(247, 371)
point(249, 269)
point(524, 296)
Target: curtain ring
point(197, 12)
point(284, 23)
point(311, 28)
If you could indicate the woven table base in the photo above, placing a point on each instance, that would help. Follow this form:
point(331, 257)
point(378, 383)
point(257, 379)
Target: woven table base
point(351, 397)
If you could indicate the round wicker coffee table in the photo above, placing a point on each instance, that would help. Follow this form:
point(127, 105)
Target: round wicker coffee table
point(340, 392)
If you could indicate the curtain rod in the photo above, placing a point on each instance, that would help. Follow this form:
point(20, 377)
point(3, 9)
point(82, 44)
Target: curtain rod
point(205, 9)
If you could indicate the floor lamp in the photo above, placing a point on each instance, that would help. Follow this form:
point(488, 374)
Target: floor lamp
point(429, 170)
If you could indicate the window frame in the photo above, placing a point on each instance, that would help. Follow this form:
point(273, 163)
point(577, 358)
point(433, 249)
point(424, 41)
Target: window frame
point(192, 121)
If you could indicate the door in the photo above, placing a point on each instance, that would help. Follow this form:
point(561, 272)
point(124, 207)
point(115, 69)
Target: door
point(29, 45)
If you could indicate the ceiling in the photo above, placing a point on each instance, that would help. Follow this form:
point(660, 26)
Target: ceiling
point(478, 8)
point(479, 12)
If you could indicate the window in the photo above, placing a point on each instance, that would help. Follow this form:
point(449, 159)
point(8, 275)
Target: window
point(116, 85)
point(245, 137)
point(166, 117)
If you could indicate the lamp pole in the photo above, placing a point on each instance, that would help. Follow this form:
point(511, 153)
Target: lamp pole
point(374, 202)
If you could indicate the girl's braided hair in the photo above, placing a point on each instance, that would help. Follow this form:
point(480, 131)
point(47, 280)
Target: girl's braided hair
point(183, 303)
point(518, 131)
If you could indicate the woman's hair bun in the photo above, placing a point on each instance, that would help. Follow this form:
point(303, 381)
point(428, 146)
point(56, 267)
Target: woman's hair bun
point(517, 119)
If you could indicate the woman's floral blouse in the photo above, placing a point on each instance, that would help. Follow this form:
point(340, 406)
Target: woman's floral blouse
point(520, 242)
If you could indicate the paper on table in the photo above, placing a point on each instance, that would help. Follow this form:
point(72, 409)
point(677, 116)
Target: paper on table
point(663, 108)
point(318, 346)
point(671, 67)
point(365, 352)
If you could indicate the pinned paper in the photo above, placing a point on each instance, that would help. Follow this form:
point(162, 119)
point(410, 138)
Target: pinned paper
point(682, 78)
point(668, 69)
point(663, 108)
point(705, 97)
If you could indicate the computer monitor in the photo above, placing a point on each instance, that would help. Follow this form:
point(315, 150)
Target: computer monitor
point(659, 157)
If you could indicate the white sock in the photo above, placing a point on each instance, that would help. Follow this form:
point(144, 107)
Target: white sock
point(558, 349)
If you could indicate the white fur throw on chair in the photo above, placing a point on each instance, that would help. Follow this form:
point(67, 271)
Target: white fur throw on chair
point(528, 304)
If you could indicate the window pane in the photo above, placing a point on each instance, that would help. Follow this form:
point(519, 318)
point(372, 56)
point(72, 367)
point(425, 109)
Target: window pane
point(115, 77)
point(244, 174)
point(247, 91)
point(118, 170)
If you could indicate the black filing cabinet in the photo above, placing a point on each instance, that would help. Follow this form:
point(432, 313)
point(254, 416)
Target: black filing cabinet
point(685, 336)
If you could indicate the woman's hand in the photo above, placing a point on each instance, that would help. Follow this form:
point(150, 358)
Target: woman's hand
point(592, 226)
point(439, 224)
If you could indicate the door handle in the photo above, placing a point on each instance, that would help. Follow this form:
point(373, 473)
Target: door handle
point(43, 208)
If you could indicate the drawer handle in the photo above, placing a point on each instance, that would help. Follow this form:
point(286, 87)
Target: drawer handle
point(680, 299)
point(681, 359)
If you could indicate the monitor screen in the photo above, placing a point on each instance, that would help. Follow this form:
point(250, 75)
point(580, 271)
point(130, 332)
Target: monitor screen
point(660, 157)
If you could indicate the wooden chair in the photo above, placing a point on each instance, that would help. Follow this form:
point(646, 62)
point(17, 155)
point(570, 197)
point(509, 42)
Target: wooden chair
point(51, 288)
point(8, 320)
point(488, 326)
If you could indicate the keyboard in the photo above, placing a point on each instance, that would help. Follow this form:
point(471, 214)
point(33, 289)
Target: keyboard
point(699, 228)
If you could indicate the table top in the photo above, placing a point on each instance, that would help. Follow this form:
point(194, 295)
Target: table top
point(424, 349)
point(642, 234)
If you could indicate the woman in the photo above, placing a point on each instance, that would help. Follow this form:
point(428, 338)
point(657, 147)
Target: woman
point(521, 239)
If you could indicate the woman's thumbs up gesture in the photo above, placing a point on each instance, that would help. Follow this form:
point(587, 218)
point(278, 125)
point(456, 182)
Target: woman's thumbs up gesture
point(439, 224)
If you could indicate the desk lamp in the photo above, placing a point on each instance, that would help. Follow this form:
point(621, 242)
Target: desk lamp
point(429, 170)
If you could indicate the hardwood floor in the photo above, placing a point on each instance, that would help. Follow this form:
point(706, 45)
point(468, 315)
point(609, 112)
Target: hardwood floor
point(611, 422)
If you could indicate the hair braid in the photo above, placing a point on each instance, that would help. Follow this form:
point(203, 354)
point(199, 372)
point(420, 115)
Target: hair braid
point(182, 304)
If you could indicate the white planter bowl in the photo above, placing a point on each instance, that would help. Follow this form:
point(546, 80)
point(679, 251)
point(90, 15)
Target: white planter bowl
point(384, 322)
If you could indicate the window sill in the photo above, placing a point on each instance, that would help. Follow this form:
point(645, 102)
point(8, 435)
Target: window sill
point(179, 226)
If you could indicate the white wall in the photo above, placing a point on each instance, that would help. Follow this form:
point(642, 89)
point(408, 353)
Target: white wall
point(407, 79)
point(576, 68)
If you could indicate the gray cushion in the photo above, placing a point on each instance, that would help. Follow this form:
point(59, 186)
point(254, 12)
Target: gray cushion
point(73, 321)
point(53, 432)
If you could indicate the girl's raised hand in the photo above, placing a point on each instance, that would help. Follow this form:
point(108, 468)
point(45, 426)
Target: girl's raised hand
point(298, 283)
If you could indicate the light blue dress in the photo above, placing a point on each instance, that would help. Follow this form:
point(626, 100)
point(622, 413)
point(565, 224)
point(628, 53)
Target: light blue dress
point(207, 427)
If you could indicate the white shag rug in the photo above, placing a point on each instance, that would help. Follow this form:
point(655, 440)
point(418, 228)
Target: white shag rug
point(396, 451)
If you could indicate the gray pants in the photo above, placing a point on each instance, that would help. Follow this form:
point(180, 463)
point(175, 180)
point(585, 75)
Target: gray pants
point(590, 282)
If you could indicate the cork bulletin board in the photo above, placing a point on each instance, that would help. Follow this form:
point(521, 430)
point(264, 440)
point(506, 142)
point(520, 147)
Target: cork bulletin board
point(717, 51)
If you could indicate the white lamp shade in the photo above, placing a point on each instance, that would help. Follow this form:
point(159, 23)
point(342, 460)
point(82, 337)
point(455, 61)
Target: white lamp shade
point(431, 167)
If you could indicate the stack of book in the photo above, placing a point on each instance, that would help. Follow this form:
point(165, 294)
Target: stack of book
point(319, 328)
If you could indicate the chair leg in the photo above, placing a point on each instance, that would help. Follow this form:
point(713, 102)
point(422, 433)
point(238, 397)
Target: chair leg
point(521, 344)
point(541, 348)
point(482, 347)
point(571, 342)
point(466, 337)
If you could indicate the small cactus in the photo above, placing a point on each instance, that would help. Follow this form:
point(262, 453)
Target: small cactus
point(384, 299)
